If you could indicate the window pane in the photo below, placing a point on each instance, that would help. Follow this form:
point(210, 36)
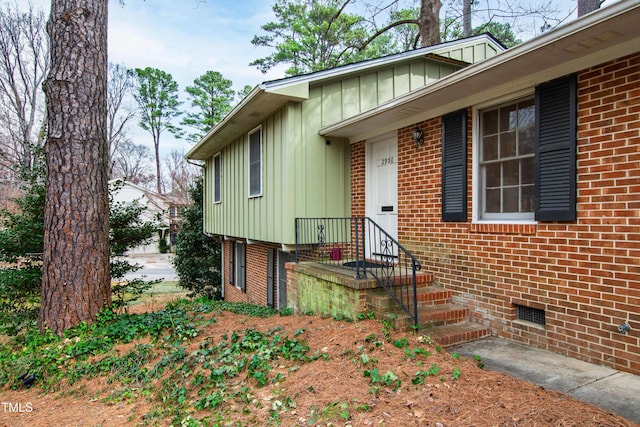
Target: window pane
point(526, 113)
point(507, 145)
point(492, 175)
point(490, 122)
point(217, 177)
point(254, 185)
point(508, 118)
point(511, 172)
point(528, 198)
point(255, 164)
point(254, 147)
point(526, 138)
point(527, 171)
point(493, 201)
point(511, 199)
point(490, 148)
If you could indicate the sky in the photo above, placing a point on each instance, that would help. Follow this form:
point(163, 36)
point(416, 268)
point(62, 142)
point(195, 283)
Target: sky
point(186, 38)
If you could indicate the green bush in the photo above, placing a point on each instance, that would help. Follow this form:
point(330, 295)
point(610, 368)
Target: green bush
point(196, 255)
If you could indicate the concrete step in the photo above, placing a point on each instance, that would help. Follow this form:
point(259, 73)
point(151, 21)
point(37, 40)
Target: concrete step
point(457, 333)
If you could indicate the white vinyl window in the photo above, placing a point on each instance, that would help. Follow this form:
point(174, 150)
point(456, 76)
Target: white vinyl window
point(507, 161)
point(255, 163)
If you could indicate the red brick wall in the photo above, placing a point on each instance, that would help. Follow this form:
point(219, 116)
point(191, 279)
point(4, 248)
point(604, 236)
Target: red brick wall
point(358, 206)
point(586, 275)
point(256, 283)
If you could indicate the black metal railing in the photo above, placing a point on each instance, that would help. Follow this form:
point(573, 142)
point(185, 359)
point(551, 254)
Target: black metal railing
point(361, 245)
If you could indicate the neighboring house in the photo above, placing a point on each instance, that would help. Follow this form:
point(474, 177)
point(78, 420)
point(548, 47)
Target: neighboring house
point(521, 196)
point(162, 207)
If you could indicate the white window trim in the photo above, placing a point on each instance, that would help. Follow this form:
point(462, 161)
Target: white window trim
point(216, 178)
point(254, 130)
point(476, 196)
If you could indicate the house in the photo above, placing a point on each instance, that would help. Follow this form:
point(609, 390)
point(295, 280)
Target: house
point(164, 208)
point(266, 164)
point(513, 182)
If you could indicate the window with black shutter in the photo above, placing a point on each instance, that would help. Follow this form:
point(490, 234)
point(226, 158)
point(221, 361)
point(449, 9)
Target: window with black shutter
point(454, 166)
point(555, 166)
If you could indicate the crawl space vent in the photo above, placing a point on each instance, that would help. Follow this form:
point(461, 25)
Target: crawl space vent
point(528, 314)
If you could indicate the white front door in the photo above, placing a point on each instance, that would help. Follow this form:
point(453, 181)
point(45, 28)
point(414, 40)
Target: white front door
point(382, 188)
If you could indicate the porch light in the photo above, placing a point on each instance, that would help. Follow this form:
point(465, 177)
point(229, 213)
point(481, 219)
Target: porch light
point(418, 137)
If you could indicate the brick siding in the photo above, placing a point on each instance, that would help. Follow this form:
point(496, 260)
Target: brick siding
point(256, 280)
point(586, 275)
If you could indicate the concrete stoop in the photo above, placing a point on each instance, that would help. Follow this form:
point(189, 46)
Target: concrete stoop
point(444, 322)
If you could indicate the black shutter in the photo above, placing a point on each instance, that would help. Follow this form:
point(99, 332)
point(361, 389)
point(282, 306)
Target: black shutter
point(556, 150)
point(454, 166)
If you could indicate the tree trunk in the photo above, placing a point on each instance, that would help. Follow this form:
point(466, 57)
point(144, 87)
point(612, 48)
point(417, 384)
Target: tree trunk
point(429, 22)
point(75, 274)
point(466, 18)
point(587, 6)
point(158, 176)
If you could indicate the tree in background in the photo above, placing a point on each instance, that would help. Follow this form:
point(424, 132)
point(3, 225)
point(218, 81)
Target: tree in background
point(315, 35)
point(131, 162)
point(24, 64)
point(75, 280)
point(312, 36)
point(157, 97)
point(211, 96)
point(119, 112)
point(242, 93)
point(197, 256)
point(502, 32)
point(182, 175)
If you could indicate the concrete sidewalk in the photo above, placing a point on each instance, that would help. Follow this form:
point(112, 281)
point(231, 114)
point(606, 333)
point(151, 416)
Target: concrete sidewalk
point(614, 391)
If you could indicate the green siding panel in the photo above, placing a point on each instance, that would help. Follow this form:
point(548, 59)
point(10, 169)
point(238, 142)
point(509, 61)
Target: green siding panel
point(368, 91)
point(401, 77)
point(385, 86)
point(351, 97)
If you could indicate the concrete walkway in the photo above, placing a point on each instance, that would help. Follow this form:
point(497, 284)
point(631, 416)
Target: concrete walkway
point(614, 391)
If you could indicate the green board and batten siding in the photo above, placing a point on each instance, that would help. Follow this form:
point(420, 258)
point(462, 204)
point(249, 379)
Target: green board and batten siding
point(303, 176)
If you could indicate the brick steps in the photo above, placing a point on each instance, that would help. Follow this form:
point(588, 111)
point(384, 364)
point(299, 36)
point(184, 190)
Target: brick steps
point(457, 333)
point(442, 314)
point(445, 323)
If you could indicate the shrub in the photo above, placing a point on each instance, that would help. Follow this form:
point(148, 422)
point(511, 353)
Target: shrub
point(196, 255)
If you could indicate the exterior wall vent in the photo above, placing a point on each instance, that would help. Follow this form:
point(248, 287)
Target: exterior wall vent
point(528, 314)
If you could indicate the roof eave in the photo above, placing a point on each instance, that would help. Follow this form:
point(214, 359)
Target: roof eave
point(259, 104)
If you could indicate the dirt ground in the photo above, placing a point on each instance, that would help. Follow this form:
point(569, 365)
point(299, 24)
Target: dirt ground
point(476, 398)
